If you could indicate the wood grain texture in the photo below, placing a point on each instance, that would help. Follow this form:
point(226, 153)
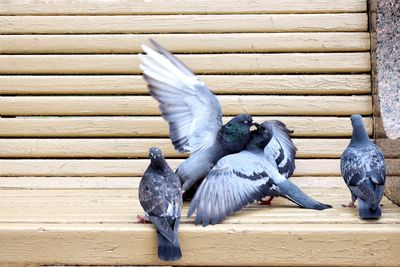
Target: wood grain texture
point(136, 148)
point(184, 23)
point(32, 7)
point(135, 244)
point(207, 63)
point(219, 84)
point(128, 167)
point(155, 126)
point(146, 105)
point(185, 43)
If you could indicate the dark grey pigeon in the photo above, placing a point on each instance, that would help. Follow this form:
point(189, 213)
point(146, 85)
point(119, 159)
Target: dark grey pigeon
point(161, 198)
point(280, 150)
point(193, 113)
point(364, 171)
point(242, 178)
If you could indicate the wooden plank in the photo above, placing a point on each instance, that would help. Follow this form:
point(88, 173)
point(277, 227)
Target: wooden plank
point(391, 148)
point(210, 63)
point(220, 84)
point(184, 23)
point(128, 167)
point(183, 43)
point(93, 7)
point(135, 244)
point(154, 126)
point(137, 148)
point(146, 105)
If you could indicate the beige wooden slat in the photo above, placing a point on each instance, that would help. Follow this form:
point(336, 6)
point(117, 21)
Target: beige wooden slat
point(133, 148)
point(391, 148)
point(129, 167)
point(115, 182)
point(184, 23)
point(135, 244)
point(154, 126)
point(220, 84)
point(210, 63)
point(146, 105)
point(94, 7)
point(183, 43)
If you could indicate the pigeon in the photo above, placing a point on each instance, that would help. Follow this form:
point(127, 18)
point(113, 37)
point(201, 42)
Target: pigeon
point(242, 178)
point(363, 169)
point(193, 113)
point(161, 198)
point(280, 150)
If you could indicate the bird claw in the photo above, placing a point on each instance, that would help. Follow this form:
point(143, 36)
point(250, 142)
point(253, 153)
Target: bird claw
point(142, 219)
point(266, 202)
point(350, 205)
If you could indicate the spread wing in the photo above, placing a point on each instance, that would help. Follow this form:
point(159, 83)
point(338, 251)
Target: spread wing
point(281, 148)
point(192, 111)
point(235, 181)
point(364, 171)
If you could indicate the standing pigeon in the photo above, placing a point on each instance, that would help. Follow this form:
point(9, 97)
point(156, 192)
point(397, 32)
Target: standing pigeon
point(242, 178)
point(193, 113)
point(161, 198)
point(280, 150)
point(363, 169)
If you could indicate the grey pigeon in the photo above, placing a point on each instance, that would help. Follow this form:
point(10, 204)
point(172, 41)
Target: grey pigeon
point(280, 150)
point(161, 198)
point(193, 113)
point(242, 178)
point(363, 169)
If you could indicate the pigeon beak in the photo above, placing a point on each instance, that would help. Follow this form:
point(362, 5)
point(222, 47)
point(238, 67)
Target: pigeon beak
point(258, 126)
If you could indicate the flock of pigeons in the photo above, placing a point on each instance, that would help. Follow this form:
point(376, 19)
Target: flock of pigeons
point(230, 165)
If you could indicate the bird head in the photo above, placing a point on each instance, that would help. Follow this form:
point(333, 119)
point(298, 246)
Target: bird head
point(242, 119)
point(356, 120)
point(264, 130)
point(155, 153)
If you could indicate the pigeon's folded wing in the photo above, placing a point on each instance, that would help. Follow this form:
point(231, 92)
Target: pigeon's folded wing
point(281, 148)
point(364, 173)
point(192, 111)
point(235, 181)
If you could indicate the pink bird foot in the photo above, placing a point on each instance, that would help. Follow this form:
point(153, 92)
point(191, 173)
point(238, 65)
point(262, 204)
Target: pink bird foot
point(142, 219)
point(350, 205)
point(266, 202)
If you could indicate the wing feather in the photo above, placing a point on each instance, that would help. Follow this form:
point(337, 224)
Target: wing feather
point(281, 147)
point(235, 181)
point(192, 111)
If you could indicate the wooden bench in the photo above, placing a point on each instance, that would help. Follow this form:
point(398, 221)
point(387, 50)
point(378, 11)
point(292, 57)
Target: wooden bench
point(76, 123)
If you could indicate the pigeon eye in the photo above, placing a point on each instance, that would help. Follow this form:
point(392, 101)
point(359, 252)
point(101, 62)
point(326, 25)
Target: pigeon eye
point(246, 122)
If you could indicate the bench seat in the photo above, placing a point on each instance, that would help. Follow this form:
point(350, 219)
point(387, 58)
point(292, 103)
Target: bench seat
point(98, 227)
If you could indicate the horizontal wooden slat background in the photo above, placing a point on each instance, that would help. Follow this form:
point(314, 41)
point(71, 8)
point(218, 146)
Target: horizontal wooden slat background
point(71, 89)
point(76, 122)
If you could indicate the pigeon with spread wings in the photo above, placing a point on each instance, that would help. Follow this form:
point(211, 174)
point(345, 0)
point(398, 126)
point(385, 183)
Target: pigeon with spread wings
point(242, 178)
point(364, 170)
point(193, 114)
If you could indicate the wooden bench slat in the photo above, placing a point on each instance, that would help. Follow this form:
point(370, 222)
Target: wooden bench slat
point(356, 62)
point(183, 43)
point(124, 182)
point(220, 84)
point(128, 167)
point(135, 244)
point(184, 23)
point(136, 148)
point(32, 7)
point(154, 126)
point(146, 105)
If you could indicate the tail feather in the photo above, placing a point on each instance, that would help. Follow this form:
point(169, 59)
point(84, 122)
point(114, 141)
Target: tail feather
point(367, 210)
point(167, 250)
point(290, 191)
